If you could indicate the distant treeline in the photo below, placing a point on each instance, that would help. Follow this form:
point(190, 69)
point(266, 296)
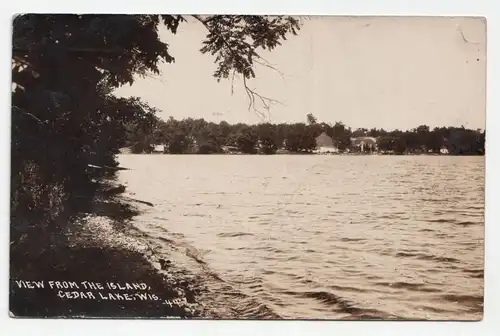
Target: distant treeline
point(199, 136)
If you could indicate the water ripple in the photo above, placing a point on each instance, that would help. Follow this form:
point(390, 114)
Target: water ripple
point(358, 237)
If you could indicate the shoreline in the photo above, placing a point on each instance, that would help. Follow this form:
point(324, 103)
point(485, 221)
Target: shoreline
point(135, 281)
point(126, 152)
point(294, 154)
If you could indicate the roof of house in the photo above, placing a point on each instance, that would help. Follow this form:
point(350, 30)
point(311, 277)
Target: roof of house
point(363, 140)
point(323, 140)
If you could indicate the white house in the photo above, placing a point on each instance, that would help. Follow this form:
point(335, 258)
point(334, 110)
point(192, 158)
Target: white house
point(444, 150)
point(364, 142)
point(159, 149)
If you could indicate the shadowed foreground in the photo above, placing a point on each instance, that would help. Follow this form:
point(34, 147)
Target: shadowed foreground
point(97, 265)
point(96, 254)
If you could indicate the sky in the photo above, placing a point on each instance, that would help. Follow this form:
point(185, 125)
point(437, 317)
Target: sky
point(383, 72)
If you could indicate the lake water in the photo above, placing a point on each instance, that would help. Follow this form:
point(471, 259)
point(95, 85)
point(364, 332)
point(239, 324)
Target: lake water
point(336, 237)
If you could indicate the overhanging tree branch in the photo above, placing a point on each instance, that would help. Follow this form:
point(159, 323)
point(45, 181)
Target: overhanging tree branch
point(253, 96)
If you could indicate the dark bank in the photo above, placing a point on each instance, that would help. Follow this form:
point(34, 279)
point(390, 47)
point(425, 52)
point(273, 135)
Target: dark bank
point(98, 279)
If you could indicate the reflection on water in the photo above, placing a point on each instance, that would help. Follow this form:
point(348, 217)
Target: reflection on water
point(324, 237)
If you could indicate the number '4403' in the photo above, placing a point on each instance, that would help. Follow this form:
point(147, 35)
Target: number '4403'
point(177, 302)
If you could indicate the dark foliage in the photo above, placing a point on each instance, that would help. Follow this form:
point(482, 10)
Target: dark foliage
point(65, 118)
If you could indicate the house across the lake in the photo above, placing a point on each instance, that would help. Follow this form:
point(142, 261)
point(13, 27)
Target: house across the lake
point(443, 150)
point(159, 149)
point(364, 143)
point(325, 144)
point(230, 149)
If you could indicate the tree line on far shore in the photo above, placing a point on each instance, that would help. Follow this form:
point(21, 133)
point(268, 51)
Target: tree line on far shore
point(198, 136)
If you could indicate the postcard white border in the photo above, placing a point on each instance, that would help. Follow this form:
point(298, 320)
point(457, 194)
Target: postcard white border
point(484, 8)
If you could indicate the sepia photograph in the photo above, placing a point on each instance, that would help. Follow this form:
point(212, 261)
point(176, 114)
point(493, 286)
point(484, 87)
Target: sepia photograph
point(236, 167)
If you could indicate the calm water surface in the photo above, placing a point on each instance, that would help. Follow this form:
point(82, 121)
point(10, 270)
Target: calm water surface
point(323, 236)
